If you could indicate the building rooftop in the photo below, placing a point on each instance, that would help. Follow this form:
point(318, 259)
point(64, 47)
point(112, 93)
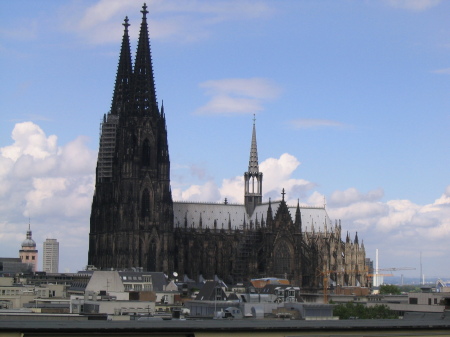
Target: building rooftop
point(188, 327)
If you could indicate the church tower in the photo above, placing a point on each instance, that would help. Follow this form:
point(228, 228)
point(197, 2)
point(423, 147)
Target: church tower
point(29, 254)
point(253, 178)
point(132, 209)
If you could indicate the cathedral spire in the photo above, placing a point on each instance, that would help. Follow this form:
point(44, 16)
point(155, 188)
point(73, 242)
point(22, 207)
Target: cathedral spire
point(123, 77)
point(253, 166)
point(253, 178)
point(298, 218)
point(144, 83)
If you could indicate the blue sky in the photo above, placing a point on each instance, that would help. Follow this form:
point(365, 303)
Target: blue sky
point(351, 101)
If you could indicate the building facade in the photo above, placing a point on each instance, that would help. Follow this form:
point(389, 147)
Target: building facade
point(135, 223)
point(29, 254)
point(50, 258)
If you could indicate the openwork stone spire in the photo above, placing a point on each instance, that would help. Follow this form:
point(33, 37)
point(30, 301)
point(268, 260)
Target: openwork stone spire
point(253, 167)
point(121, 94)
point(253, 178)
point(144, 84)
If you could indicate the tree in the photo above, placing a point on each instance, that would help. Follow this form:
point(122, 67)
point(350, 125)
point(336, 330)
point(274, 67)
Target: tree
point(389, 289)
point(357, 310)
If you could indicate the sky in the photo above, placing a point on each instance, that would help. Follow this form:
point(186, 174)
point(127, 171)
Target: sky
point(351, 100)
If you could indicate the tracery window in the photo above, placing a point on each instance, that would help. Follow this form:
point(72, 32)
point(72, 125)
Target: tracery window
point(151, 265)
point(282, 260)
point(146, 153)
point(145, 204)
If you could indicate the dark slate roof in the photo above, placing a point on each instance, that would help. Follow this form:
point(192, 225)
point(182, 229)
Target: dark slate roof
point(78, 286)
point(10, 259)
point(256, 326)
point(207, 291)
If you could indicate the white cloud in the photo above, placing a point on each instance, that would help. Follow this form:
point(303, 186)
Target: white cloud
point(237, 95)
point(184, 21)
point(277, 175)
point(206, 192)
point(413, 5)
point(351, 195)
point(29, 139)
point(50, 184)
point(401, 229)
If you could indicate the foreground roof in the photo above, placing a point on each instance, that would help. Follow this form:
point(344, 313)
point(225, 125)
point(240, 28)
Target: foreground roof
point(185, 327)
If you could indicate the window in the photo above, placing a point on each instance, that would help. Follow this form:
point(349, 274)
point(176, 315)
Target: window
point(145, 204)
point(282, 260)
point(413, 300)
point(146, 153)
point(33, 257)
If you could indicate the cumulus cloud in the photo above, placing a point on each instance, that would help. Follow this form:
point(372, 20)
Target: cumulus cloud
point(351, 195)
point(237, 95)
point(413, 5)
point(184, 21)
point(277, 175)
point(401, 229)
point(206, 192)
point(50, 184)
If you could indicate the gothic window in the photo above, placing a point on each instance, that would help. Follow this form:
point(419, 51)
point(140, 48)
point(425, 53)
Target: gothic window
point(146, 153)
point(145, 204)
point(261, 262)
point(282, 260)
point(151, 264)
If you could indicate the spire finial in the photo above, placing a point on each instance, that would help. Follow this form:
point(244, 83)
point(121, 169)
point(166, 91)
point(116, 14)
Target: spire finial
point(144, 10)
point(254, 119)
point(283, 193)
point(126, 24)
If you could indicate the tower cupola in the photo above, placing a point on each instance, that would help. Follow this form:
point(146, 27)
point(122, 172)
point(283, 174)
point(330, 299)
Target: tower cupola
point(29, 254)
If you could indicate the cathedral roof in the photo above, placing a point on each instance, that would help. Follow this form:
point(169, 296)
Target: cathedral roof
point(235, 215)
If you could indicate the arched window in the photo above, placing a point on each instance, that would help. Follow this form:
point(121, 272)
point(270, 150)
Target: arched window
point(145, 204)
point(282, 260)
point(151, 261)
point(146, 153)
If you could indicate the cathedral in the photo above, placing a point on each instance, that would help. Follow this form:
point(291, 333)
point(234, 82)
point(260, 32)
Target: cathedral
point(135, 223)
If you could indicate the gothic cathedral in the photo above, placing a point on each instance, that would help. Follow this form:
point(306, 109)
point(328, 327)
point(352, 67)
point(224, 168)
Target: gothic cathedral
point(135, 223)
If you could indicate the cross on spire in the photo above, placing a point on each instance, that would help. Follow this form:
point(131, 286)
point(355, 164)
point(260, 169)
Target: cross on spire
point(283, 193)
point(144, 10)
point(126, 24)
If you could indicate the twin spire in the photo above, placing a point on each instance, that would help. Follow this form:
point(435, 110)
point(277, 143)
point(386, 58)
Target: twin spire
point(134, 91)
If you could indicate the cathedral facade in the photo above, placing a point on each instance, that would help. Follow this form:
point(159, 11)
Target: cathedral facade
point(135, 223)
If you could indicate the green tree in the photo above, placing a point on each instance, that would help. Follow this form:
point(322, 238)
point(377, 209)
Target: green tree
point(349, 310)
point(410, 289)
point(389, 289)
point(357, 310)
